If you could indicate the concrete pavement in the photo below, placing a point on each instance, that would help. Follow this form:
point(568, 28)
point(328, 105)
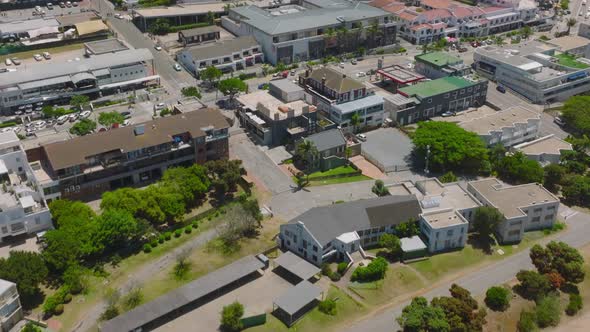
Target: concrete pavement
point(577, 234)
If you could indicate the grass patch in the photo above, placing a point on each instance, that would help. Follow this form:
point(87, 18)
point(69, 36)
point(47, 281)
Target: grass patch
point(338, 171)
point(345, 179)
point(399, 280)
point(53, 50)
point(314, 320)
point(569, 60)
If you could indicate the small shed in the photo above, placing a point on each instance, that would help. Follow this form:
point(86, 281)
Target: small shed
point(296, 301)
point(412, 248)
point(296, 266)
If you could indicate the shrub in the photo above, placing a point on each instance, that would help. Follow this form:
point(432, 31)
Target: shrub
point(335, 276)
point(111, 312)
point(498, 298)
point(328, 307)
point(547, 312)
point(527, 323)
point(161, 239)
point(154, 243)
point(375, 270)
point(68, 298)
point(188, 229)
point(574, 305)
point(167, 236)
point(147, 248)
point(195, 224)
point(342, 267)
point(178, 233)
point(326, 269)
point(49, 305)
point(231, 317)
point(59, 309)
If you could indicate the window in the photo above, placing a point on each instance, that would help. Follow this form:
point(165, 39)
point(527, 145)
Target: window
point(516, 223)
point(450, 232)
point(382, 229)
point(514, 232)
point(549, 217)
point(360, 233)
point(447, 95)
point(429, 100)
point(304, 244)
point(315, 258)
point(537, 210)
point(551, 208)
point(4, 229)
point(315, 248)
point(374, 239)
point(375, 230)
point(536, 219)
point(437, 235)
point(37, 220)
point(462, 91)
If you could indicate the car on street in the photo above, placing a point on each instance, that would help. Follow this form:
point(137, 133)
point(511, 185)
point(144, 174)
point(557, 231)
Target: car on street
point(559, 121)
point(119, 16)
point(62, 4)
point(462, 49)
point(8, 62)
point(126, 122)
point(158, 48)
point(353, 61)
point(177, 67)
point(75, 4)
point(49, 6)
point(361, 74)
point(293, 72)
point(159, 106)
point(501, 89)
point(37, 57)
point(69, 4)
point(16, 61)
point(46, 55)
point(19, 112)
point(40, 124)
point(62, 119)
point(73, 117)
point(341, 65)
point(126, 115)
point(85, 114)
point(30, 131)
point(447, 114)
point(362, 137)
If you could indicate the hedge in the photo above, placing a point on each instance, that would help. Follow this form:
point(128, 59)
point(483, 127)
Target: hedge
point(188, 26)
point(375, 270)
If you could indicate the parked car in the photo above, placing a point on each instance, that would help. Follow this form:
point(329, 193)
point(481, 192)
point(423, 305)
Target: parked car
point(462, 49)
point(501, 89)
point(126, 115)
point(30, 131)
point(158, 48)
point(285, 74)
point(361, 74)
point(559, 121)
point(341, 65)
point(362, 137)
point(40, 124)
point(37, 57)
point(69, 4)
point(49, 6)
point(85, 114)
point(62, 4)
point(293, 72)
point(159, 106)
point(177, 67)
point(353, 61)
point(8, 62)
point(16, 61)
point(74, 117)
point(447, 114)
point(46, 55)
point(119, 16)
point(74, 4)
point(126, 122)
point(63, 119)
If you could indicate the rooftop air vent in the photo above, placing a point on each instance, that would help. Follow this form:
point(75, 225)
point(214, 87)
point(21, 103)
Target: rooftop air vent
point(139, 130)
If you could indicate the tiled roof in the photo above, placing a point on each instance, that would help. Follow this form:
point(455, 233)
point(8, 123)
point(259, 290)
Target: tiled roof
point(408, 16)
point(437, 3)
point(434, 14)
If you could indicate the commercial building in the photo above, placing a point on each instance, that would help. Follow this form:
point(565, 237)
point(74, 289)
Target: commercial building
point(11, 311)
point(299, 32)
point(90, 165)
point(18, 4)
point(227, 55)
point(199, 35)
point(181, 14)
point(440, 64)
point(278, 116)
point(576, 45)
point(104, 46)
point(17, 30)
point(340, 230)
point(545, 150)
point(56, 82)
point(524, 207)
point(510, 127)
point(330, 146)
point(534, 70)
point(23, 209)
point(338, 97)
point(431, 98)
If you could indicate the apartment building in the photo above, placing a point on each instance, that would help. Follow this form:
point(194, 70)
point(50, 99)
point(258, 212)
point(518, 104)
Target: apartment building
point(537, 71)
point(227, 55)
point(56, 82)
point(23, 209)
point(525, 207)
point(509, 127)
point(305, 31)
point(440, 64)
point(89, 165)
point(11, 311)
point(338, 97)
point(339, 230)
point(427, 99)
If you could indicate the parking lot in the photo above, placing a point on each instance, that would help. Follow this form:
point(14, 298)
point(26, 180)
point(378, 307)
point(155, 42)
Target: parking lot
point(27, 13)
point(22, 243)
point(388, 149)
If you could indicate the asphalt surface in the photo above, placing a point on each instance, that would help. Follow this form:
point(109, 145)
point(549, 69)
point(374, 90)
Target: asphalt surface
point(577, 234)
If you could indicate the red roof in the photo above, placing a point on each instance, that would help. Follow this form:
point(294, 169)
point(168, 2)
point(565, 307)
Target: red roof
point(382, 3)
point(433, 14)
point(408, 16)
point(421, 26)
point(436, 3)
point(394, 8)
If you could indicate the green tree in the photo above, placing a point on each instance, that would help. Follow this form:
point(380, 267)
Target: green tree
point(328, 307)
point(574, 305)
point(125, 199)
point(451, 147)
point(160, 27)
point(419, 316)
point(210, 18)
point(224, 175)
point(532, 285)
point(63, 209)
point(548, 311)
point(62, 250)
point(576, 113)
point(497, 298)
point(83, 127)
point(231, 316)
point(30, 327)
point(108, 119)
point(133, 298)
point(553, 175)
point(210, 74)
point(373, 31)
point(496, 154)
point(75, 279)
point(191, 182)
point(570, 23)
point(380, 189)
point(355, 121)
point(191, 91)
point(231, 87)
point(448, 177)
point(517, 169)
point(407, 228)
point(527, 322)
point(79, 101)
point(183, 265)
point(392, 244)
point(526, 32)
point(485, 221)
point(561, 258)
point(115, 228)
point(301, 180)
point(52, 112)
point(577, 190)
point(27, 270)
point(306, 151)
point(375, 270)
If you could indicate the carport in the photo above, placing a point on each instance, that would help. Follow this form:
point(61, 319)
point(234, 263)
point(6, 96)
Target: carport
point(295, 302)
point(296, 266)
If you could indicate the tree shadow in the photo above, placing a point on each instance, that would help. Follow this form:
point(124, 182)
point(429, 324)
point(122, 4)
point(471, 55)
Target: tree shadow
point(482, 243)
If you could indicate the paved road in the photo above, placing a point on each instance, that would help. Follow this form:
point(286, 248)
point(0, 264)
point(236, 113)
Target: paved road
point(577, 234)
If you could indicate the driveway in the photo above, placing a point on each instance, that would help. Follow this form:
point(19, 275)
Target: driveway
point(258, 164)
point(388, 148)
point(367, 168)
point(22, 243)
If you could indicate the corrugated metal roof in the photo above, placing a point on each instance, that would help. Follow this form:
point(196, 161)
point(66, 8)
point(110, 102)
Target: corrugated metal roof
point(298, 297)
point(297, 265)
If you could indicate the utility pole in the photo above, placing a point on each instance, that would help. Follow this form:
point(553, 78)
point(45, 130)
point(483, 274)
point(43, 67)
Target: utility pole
point(427, 156)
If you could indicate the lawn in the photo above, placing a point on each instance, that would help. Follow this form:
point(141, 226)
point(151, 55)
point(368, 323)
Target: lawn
point(314, 320)
point(52, 50)
point(569, 60)
point(399, 280)
point(346, 179)
point(338, 171)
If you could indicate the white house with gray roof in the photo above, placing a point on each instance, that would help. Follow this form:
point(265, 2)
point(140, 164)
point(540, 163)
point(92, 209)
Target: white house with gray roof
point(331, 150)
point(339, 230)
point(297, 32)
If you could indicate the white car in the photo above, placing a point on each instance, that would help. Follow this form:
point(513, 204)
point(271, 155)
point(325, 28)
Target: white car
point(158, 47)
point(40, 124)
point(46, 55)
point(37, 57)
point(341, 65)
point(159, 106)
point(361, 137)
point(177, 67)
point(126, 122)
point(62, 119)
point(73, 117)
point(8, 62)
point(85, 114)
point(361, 74)
point(30, 131)
point(119, 16)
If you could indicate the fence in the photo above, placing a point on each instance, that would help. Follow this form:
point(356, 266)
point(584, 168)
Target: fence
point(253, 320)
point(383, 168)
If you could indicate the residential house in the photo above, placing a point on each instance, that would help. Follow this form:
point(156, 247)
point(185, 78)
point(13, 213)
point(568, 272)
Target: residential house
point(330, 151)
point(11, 311)
point(199, 35)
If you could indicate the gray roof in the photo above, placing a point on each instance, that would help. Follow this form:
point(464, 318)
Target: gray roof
point(221, 48)
point(413, 243)
point(182, 296)
point(305, 19)
point(110, 45)
point(328, 222)
point(295, 298)
point(199, 31)
point(28, 25)
point(352, 106)
point(42, 70)
point(5, 285)
point(335, 80)
point(297, 265)
point(285, 85)
point(328, 139)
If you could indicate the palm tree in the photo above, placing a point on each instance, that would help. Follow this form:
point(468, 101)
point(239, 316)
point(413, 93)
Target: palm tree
point(355, 120)
point(306, 151)
point(570, 23)
point(426, 48)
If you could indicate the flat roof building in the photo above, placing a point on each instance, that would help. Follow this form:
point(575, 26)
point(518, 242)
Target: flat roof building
point(199, 35)
point(440, 64)
point(103, 46)
point(545, 150)
point(11, 311)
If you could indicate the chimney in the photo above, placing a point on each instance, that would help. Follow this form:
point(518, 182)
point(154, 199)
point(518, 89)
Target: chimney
point(139, 130)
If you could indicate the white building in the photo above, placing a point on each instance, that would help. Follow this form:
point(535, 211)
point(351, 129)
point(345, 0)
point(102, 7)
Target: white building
point(11, 311)
point(22, 204)
point(524, 207)
point(545, 150)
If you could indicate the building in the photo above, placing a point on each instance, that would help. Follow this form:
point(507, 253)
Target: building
point(447, 210)
point(300, 32)
point(510, 127)
point(440, 64)
point(23, 209)
point(432, 98)
point(337, 231)
point(331, 150)
point(534, 70)
point(57, 82)
point(104, 46)
point(576, 45)
point(11, 311)
point(18, 4)
point(228, 55)
point(199, 35)
point(545, 150)
point(524, 207)
point(17, 30)
point(89, 165)
point(338, 97)
point(278, 116)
